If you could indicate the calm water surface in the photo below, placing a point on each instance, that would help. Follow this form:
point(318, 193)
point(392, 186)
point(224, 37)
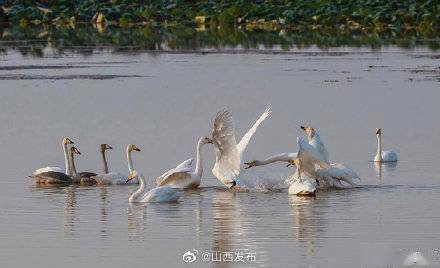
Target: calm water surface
point(164, 102)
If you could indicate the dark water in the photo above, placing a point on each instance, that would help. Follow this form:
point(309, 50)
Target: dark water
point(164, 101)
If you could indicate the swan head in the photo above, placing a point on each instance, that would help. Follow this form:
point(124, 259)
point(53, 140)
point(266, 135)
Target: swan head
point(105, 147)
point(293, 162)
point(378, 131)
point(205, 140)
point(233, 183)
point(132, 175)
point(252, 163)
point(67, 141)
point(132, 147)
point(309, 130)
point(75, 150)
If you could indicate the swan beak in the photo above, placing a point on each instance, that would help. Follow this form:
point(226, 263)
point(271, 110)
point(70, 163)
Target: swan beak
point(136, 149)
point(109, 147)
point(249, 164)
point(130, 177)
point(291, 163)
point(233, 184)
point(302, 127)
point(210, 141)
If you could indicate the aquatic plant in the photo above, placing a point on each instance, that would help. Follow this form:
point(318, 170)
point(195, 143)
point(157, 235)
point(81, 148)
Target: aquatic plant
point(399, 15)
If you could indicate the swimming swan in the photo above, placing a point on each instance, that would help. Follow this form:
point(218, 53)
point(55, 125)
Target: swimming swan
point(158, 194)
point(116, 178)
point(383, 156)
point(65, 143)
point(228, 154)
point(184, 176)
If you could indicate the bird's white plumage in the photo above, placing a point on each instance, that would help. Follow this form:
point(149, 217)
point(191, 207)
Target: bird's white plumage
point(186, 163)
point(228, 153)
point(158, 194)
point(383, 156)
point(179, 177)
point(308, 154)
point(241, 146)
point(316, 142)
point(225, 144)
point(184, 175)
point(113, 178)
point(389, 156)
point(313, 163)
point(303, 187)
point(47, 169)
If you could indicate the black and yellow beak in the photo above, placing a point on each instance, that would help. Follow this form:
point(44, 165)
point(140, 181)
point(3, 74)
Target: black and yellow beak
point(130, 177)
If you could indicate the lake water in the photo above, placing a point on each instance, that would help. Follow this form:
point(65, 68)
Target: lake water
point(163, 102)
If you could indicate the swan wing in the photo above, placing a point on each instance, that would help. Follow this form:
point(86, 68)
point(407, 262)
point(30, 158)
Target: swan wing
point(186, 163)
point(389, 156)
point(47, 169)
point(87, 174)
point(317, 143)
point(162, 194)
point(247, 137)
point(341, 171)
point(174, 175)
point(53, 177)
point(309, 155)
point(225, 145)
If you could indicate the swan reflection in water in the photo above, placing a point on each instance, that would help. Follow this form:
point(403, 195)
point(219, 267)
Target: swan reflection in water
point(136, 220)
point(388, 167)
point(308, 221)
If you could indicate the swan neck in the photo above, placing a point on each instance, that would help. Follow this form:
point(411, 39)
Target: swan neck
point(140, 190)
point(66, 160)
point(129, 161)
point(72, 165)
point(272, 159)
point(379, 147)
point(199, 166)
point(104, 161)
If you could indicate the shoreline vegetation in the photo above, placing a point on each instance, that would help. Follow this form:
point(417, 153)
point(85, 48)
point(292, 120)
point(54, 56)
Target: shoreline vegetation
point(130, 26)
point(422, 16)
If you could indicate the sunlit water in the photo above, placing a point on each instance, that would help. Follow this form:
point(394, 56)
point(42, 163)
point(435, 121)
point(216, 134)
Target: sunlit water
point(164, 102)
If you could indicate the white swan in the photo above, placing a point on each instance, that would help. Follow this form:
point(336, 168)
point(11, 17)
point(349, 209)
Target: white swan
point(183, 176)
point(158, 194)
point(313, 162)
point(116, 178)
point(383, 156)
point(315, 140)
point(228, 154)
point(65, 143)
point(313, 166)
point(301, 186)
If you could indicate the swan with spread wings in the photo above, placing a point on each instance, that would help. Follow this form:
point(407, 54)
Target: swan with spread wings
point(228, 153)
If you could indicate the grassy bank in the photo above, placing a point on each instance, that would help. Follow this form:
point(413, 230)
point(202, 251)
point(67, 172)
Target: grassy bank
point(398, 15)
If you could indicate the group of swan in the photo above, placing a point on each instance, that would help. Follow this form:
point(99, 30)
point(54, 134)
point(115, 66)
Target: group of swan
point(313, 168)
point(55, 175)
